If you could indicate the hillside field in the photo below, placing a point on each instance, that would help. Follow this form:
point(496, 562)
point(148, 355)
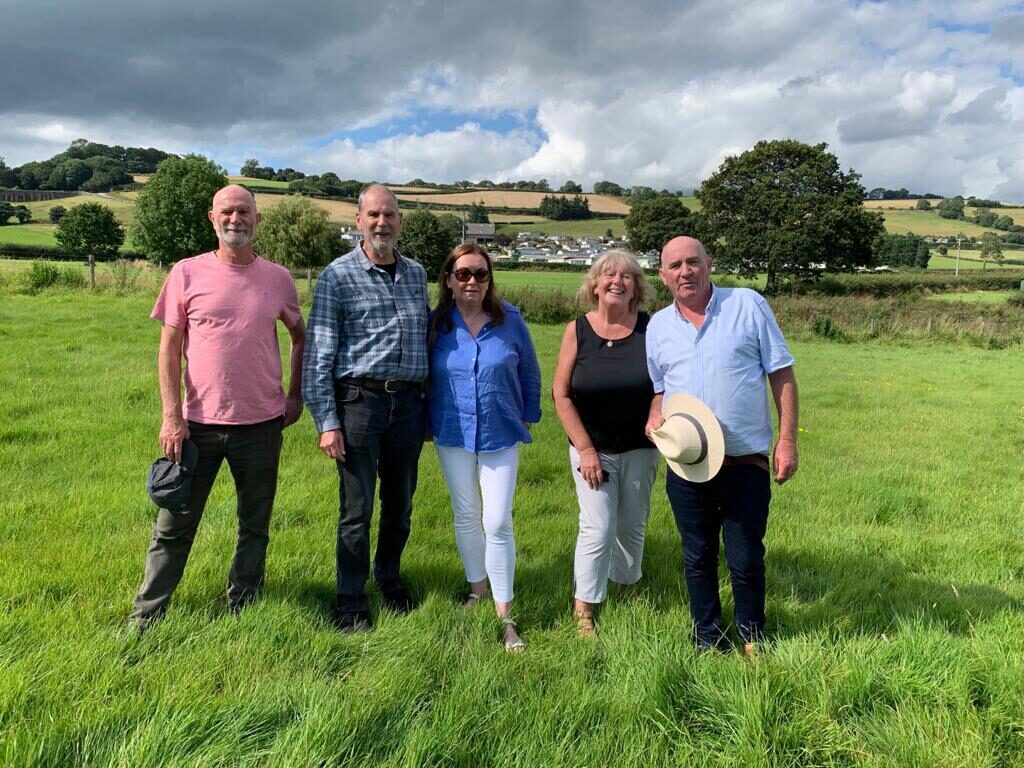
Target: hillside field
point(894, 589)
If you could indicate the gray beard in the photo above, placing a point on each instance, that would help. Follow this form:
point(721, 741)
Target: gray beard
point(382, 248)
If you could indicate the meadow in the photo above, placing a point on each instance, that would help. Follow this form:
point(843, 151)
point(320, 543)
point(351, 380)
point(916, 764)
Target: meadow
point(895, 587)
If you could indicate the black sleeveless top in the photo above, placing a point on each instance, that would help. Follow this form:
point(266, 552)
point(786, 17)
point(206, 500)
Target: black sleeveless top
point(611, 388)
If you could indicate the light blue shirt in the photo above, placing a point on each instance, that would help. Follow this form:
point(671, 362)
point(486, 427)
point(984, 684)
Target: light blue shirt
point(482, 389)
point(724, 363)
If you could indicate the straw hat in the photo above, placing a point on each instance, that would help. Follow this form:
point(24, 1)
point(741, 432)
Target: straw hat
point(691, 438)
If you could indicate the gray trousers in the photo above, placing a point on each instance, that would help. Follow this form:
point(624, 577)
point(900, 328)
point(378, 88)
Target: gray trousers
point(613, 521)
point(252, 452)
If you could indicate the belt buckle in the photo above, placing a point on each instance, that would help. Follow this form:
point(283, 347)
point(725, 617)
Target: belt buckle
point(387, 386)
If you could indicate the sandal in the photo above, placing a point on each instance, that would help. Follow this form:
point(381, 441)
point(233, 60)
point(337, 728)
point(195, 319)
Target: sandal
point(585, 626)
point(513, 644)
point(474, 600)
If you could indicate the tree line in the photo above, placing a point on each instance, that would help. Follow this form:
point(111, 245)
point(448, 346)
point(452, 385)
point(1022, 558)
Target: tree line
point(84, 165)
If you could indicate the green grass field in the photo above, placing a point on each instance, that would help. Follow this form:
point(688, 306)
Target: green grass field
point(255, 183)
point(588, 228)
point(895, 585)
point(983, 297)
point(900, 222)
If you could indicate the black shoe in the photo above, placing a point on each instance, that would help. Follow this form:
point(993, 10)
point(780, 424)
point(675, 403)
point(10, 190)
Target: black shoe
point(351, 622)
point(397, 599)
point(703, 645)
point(236, 607)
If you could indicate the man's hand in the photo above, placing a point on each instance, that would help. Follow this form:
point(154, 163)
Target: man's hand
point(173, 432)
point(292, 410)
point(784, 459)
point(654, 421)
point(333, 444)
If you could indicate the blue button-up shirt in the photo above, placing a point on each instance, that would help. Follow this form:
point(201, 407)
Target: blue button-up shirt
point(482, 389)
point(724, 363)
point(363, 323)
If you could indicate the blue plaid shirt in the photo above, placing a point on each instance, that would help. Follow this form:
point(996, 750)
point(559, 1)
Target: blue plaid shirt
point(363, 324)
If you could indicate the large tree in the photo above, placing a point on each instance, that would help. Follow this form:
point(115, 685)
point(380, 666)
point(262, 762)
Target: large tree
point(426, 239)
point(786, 209)
point(90, 230)
point(654, 222)
point(171, 211)
point(297, 233)
point(991, 249)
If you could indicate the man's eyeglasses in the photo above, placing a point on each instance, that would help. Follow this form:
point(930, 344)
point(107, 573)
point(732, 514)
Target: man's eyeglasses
point(464, 273)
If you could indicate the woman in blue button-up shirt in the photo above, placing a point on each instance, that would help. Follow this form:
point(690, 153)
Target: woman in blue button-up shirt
point(483, 396)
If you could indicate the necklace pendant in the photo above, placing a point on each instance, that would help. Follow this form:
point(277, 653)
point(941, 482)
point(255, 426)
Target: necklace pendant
point(608, 343)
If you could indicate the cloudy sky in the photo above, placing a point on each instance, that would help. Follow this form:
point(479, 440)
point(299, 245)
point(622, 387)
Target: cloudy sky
point(924, 95)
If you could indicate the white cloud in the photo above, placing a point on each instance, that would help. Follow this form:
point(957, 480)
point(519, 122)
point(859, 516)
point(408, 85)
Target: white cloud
point(657, 92)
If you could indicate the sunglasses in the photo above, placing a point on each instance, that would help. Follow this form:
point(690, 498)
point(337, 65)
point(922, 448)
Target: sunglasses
point(464, 273)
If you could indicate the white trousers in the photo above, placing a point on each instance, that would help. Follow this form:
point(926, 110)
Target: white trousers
point(613, 520)
point(482, 486)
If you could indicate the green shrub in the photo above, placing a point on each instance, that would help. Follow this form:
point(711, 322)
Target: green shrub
point(42, 275)
point(544, 307)
point(826, 329)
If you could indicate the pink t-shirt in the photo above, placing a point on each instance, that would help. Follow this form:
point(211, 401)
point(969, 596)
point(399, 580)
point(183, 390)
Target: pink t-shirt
point(229, 315)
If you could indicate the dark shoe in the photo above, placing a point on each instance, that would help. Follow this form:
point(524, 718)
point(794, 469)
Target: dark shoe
point(397, 599)
point(140, 625)
point(709, 646)
point(351, 622)
point(236, 607)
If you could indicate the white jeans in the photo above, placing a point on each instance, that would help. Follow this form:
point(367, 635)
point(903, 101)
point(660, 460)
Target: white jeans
point(482, 486)
point(613, 520)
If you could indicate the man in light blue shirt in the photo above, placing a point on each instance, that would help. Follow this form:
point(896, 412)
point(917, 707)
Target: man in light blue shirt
point(363, 374)
point(720, 345)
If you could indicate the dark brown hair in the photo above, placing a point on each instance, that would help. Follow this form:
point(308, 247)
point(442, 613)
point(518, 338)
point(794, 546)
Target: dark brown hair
point(442, 322)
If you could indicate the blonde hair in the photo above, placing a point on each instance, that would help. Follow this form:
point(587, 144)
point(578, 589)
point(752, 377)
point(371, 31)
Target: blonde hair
point(643, 291)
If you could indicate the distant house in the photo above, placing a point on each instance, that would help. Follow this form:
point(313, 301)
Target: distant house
point(479, 233)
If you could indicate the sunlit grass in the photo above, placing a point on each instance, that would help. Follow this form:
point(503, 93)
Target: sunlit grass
point(894, 583)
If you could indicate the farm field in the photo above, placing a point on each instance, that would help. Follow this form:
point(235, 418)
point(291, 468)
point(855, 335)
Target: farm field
point(983, 297)
point(511, 199)
point(587, 228)
point(894, 590)
point(900, 222)
point(255, 183)
point(899, 205)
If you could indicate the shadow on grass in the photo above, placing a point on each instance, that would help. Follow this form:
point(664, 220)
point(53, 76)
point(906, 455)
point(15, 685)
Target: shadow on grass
point(869, 594)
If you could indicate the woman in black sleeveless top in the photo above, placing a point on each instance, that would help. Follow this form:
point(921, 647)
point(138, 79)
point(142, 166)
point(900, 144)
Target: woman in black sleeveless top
point(602, 394)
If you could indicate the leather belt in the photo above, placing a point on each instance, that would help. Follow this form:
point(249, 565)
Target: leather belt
point(391, 386)
point(757, 459)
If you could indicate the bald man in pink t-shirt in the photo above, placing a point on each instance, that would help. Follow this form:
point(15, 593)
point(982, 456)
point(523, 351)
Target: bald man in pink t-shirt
point(219, 312)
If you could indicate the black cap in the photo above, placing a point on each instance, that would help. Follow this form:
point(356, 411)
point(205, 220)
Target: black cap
point(170, 484)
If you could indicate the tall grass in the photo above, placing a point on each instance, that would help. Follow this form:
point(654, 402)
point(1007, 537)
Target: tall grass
point(895, 572)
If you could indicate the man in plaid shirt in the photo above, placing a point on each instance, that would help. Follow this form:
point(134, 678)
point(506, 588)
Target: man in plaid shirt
point(363, 372)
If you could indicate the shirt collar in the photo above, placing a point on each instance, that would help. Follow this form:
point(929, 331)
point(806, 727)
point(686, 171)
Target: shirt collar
point(368, 265)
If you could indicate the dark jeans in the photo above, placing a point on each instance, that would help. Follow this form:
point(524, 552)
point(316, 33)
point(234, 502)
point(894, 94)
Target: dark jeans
point(734, 502)
point(383, 436)
point(252, 452)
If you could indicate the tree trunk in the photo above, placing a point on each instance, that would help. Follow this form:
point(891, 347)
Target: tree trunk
point(309, 280)
point(771, 285)
point(92, 272)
